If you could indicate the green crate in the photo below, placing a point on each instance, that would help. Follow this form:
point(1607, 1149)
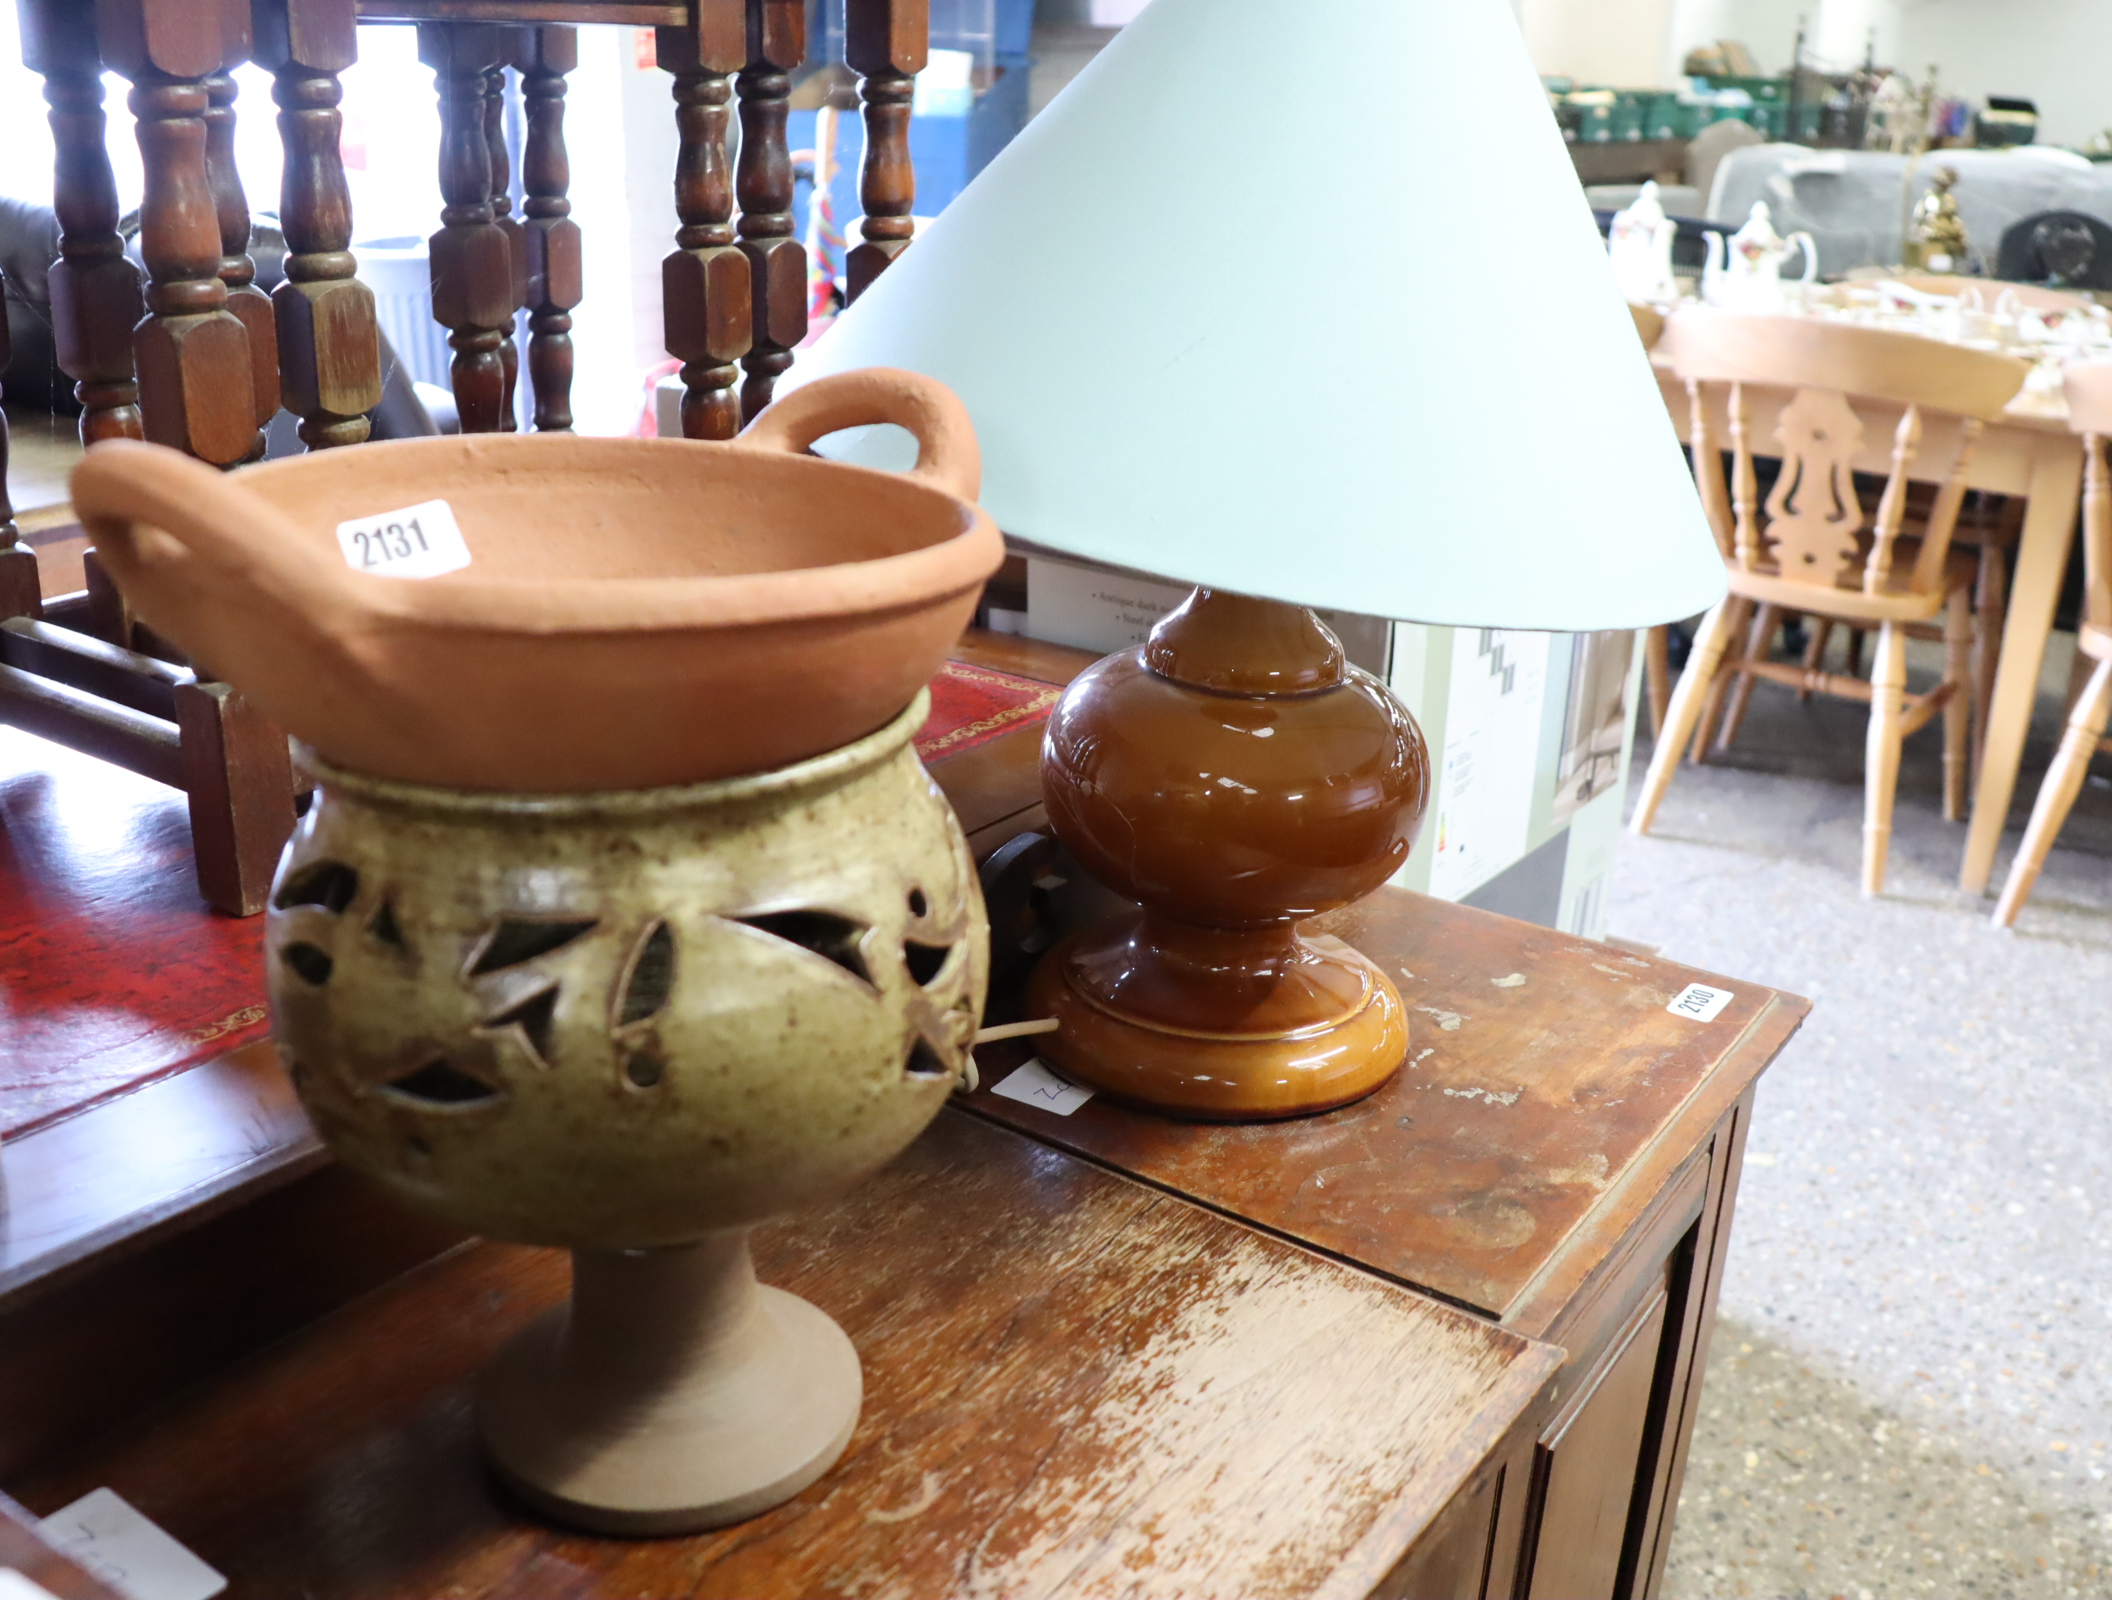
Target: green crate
point(1767, 91)
point(1669, 117)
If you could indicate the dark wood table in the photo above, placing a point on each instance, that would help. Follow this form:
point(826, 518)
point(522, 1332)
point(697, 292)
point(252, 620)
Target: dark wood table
point(1445, 1342)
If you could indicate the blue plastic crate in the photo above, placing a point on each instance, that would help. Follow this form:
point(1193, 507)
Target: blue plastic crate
point(1015, 27)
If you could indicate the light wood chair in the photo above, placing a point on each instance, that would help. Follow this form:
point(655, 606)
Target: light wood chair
point(1812, 552)
point(1657, 649)
point(2089, 391)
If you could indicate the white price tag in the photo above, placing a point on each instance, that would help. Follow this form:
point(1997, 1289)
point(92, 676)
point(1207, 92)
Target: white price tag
point(13, 1586)
point(1699, 1003)
point(126, 1551)
point(1035, 1085)
point(420, 541)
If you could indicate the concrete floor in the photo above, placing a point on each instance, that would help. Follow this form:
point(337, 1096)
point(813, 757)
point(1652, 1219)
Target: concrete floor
point(1910, 1391)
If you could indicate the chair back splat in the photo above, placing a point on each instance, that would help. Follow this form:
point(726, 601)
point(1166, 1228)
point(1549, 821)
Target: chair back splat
point(1834, 401)
point(1850, 390)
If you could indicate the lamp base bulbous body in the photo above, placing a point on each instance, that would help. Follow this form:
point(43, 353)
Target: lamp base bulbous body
point(1235, 775)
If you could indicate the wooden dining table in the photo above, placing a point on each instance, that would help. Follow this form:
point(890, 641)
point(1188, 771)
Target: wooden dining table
point(2028, 452)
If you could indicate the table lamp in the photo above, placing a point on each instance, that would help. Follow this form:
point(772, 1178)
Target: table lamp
point(1231, 312)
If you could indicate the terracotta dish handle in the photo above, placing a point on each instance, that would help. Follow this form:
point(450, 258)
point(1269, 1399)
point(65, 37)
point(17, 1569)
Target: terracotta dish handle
point(122, 483)
point(948, 457)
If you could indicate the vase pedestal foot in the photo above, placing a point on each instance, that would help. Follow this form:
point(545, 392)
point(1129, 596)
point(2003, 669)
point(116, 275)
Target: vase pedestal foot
point(672, 1393)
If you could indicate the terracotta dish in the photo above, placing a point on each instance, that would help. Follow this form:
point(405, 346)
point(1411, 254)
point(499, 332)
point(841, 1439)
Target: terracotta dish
point(635, 613)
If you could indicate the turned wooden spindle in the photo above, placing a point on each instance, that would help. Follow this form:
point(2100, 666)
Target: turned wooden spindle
point(777, 42)
point(328, 337)
point(705, 285)
point(197, 382)
point(21, 595)
point(247, 303)
point(95, 291)
point(472, 259)
point(549, 236)
point(886, 42)
point(503, 218)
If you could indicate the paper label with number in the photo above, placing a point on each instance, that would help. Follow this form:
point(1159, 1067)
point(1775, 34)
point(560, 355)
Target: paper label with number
point(1699, 1002)
point(420, 541)
point(106, 1535)
point(1035, 1085)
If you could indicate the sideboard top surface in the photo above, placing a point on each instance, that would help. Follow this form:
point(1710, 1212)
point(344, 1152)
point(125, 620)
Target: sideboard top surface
point(1074, 1383)
point(1544, 1073)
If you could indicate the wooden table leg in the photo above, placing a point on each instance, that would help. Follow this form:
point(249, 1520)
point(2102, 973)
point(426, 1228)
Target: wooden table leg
point(777, 39)
point(886, 42)
point(472, 259)
point(95, 292)
point(197, 383)
point(2042, 561)
point(328, 336)
point(503, 219)
point(549, 235)
point(248, 304)
point(705, 285)
point(21, 595)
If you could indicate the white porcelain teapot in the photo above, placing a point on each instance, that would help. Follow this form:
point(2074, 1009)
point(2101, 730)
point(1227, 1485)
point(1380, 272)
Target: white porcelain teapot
point(1748, 276)
point(1639, 243)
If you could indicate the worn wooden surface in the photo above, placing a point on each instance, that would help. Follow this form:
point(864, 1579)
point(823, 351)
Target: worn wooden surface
point(1524, 1108)
point(1073, 1384)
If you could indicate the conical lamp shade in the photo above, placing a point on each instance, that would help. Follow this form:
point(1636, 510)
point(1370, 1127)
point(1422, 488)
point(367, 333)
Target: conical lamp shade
point(1303, 300)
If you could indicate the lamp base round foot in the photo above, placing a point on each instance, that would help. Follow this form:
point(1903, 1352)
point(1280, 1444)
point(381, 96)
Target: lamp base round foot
point(1174, 1021)
point(673, 1394)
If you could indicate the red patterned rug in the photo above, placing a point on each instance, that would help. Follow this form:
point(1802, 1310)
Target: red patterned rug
point(973, 705)
point(113, 973)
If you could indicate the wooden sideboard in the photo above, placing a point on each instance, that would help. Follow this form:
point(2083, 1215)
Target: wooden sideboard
point(1445, 1342)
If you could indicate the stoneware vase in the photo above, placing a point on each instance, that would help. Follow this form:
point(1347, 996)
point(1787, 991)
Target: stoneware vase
point(624, 917)
point(634, 1025)
point(634, 612)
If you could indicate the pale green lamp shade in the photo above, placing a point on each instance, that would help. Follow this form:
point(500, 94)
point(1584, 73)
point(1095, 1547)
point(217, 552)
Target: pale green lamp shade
point(1301, 298)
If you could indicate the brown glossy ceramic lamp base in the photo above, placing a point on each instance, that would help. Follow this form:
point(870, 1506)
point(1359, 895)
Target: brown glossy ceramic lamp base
point(1236, 775)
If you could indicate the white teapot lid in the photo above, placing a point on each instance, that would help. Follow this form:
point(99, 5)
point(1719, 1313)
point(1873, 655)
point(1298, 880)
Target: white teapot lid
point(1646, 207)
point(1759, 229)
